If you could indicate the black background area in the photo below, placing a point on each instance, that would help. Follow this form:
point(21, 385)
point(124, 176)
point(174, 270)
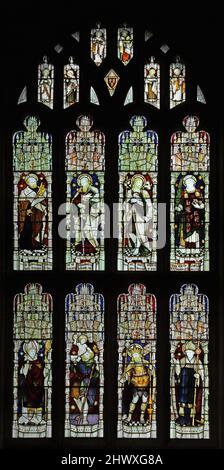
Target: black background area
point(28, 33)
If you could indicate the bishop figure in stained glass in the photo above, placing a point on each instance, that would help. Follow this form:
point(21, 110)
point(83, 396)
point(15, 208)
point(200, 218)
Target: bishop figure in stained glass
point(189, 364)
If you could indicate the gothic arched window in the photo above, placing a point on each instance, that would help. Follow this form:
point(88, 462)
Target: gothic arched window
point(110, 130)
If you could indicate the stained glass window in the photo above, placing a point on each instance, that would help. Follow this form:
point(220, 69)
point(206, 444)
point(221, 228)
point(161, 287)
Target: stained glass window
point(125, 44)
point(98, 45)
point(137, 197)
point(46, 83)
point(177, 83)
point(85, 196)
point(189, 379)
point(32, 165)
point(157, 78)
point(189, 211)
point(71, 83)
point(32, 380)
point(137, 363)
point(152, 83)
point(84, 363)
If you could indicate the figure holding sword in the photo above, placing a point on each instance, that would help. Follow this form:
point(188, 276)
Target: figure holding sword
point(84, 380)
point(139, 378)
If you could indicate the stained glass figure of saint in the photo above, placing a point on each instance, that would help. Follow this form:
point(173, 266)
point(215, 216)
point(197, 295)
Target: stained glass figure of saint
point(137, 197)
point(189, 212)
point(152, 83)
point(46, 83)
point(177, 83)
point(32, 151)
point(32, 379)
point(189, 380)
point(71, 83)
point(98, 45)
point(85, 195)
point(84, 363)
point(125, 44)
point(137, 363)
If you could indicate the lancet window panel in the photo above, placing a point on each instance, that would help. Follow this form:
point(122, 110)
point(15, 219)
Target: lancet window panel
point(136, 363)
point(189, 209)
point(98, 45)
point(32, 377)
point(125, 41)
point(177, 83)
point(32, 213)
point(189, 375)
point(45, 85)
point(84, 338)
point(152, 82)
point(85, 150)
point(71, 83)
point(138, 153)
